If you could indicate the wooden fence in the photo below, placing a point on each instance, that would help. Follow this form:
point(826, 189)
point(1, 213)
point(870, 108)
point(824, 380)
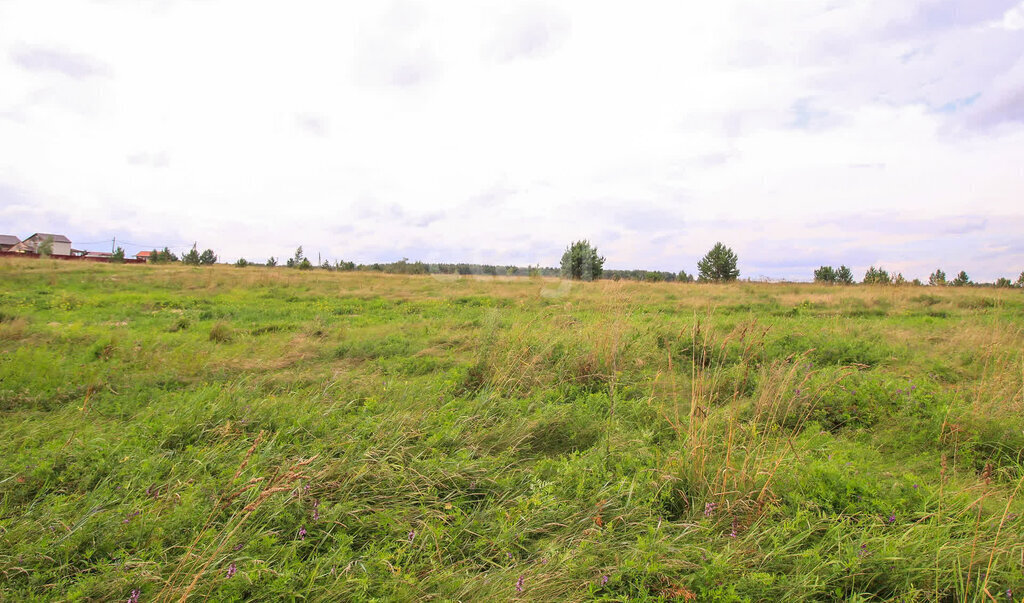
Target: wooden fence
point(67, 258)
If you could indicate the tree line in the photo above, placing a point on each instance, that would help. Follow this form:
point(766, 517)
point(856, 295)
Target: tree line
point(880, 276)
point(581, 261)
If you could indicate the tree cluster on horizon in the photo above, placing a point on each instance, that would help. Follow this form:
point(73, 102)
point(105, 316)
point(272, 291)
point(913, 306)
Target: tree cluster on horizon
point(581, 261)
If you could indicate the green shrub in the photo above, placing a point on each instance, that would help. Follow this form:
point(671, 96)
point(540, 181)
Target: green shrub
point(221, 332)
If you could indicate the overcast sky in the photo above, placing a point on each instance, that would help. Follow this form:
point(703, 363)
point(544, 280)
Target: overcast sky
point(800, 133)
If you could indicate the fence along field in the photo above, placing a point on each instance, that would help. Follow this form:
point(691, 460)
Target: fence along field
point(214, 433)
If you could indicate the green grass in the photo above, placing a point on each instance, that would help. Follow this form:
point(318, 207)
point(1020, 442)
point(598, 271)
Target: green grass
point(353, 436)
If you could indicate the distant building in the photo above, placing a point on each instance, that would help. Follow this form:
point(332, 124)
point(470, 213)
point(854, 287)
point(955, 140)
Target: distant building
point(61, 244)
point(98, 254)
point(8, 241)
point(143, 255)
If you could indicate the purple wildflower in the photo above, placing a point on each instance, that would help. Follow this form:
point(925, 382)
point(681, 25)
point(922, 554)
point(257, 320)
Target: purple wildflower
point(302, 533)
point(892, 518)
point(231, 570)
point(129, 518)
point(709, 509)
point(239, 546)
point(412, 535)
point(732, 534)
point(604, 579)
point(863, 552)
point(798, 391)
point(1009, 594)
point(134, 596)
point(916, 486)
point(519, 584)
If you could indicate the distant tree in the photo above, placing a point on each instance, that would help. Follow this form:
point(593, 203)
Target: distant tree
point(118, 256)
point(916, 282)
point(45, 249)
point(241, 263)
point(271, 262)
point(876, 276)
point(718, 265)
point(296, 260)
point(511, 270)
point(305, 264)
point(825, 274)
point(191, 258)
point(844, 276)
point(961, 280)
point(899, 280)
point(581, 262)
point(207, 258)
point(937, 278)
point(1020, 280)
point(683, 277)
point(1003, 282)
point(162, 257)
point(326, 266)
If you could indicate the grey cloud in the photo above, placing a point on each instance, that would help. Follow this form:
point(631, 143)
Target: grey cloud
point(808, 115)
point(1002, 102)
point(58, 61)
point(424, 220)
point(313, 124)
point(150, 159)
point(11, 196)
point(391, 213)
point(370, 209)
point(943, 54)
point(532, 32)
point(891, 223)
point(935, 15)
point(383, 65)
point(397, 52)
point(492, 197)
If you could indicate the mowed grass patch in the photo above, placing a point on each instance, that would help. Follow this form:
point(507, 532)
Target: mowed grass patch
point(226, 434)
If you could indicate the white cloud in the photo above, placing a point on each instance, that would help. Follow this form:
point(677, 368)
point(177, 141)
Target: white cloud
point(490, 131)
point(1013, 19)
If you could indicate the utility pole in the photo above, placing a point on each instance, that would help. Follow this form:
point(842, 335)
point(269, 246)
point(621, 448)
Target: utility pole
point(112, 244)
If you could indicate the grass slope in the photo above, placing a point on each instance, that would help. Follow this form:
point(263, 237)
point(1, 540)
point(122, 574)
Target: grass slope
point(224, 433)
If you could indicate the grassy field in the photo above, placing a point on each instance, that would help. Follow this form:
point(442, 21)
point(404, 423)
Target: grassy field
point(223, 433)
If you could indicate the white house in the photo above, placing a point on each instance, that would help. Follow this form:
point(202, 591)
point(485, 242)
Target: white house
point(61, 244)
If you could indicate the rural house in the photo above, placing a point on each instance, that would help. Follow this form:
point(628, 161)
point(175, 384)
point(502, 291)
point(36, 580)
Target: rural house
point(143, 255)
point(61, 244)
point(8, 241)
